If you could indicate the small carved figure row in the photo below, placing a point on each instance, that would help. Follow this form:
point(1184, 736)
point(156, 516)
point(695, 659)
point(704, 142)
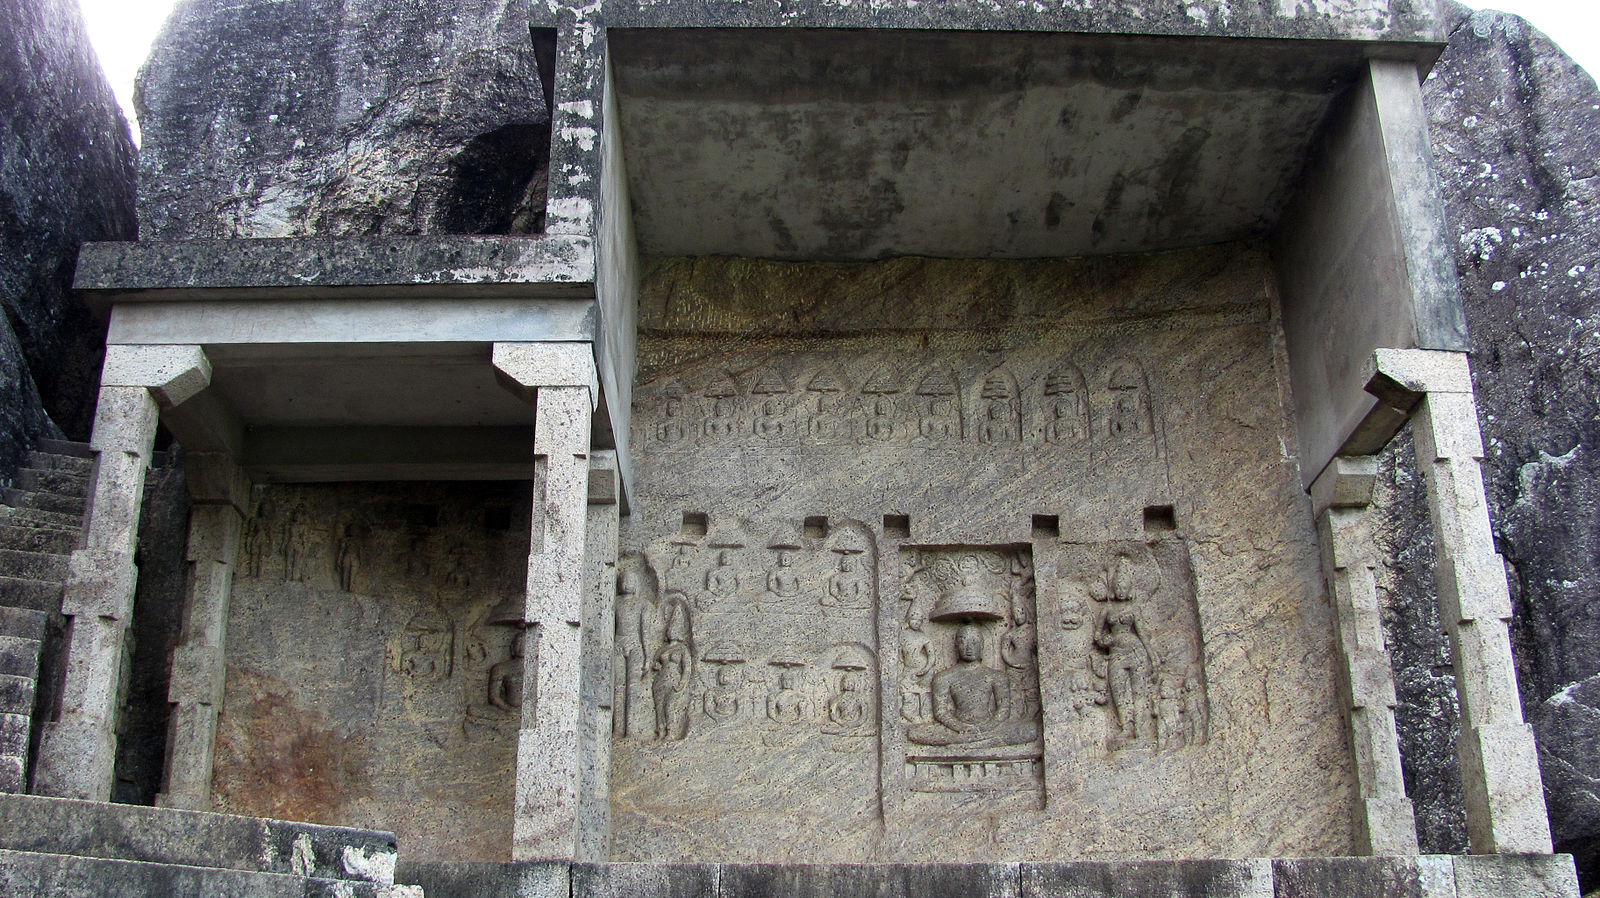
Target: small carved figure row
point(836, 691)
point(300, 548)
point(730, 583)
point(889, 409)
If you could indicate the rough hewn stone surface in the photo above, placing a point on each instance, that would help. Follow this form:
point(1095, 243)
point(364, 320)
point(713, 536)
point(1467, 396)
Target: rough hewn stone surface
point(1516, 134)
point(370, 680)
point(66, 176)
point(343, 118)
point(840, 464)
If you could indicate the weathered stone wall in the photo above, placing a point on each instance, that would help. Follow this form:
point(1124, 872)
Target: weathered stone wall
point(367, 684)
point(343, 118)
point(66, 177)
point(843, 466)
point(1516, 135)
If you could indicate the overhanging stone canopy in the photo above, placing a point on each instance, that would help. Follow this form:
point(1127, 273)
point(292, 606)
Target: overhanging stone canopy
point(955, 516)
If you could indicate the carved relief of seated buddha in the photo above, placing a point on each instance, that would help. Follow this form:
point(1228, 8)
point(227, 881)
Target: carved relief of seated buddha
point(972, 703)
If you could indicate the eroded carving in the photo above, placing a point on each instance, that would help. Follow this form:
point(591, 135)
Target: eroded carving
point(969, 668)
point(1066, 396)
point(1000, 415)
point(938, 407)
point(505, 677)
point(672, 672)
point(721, 421)
point(771, 392)
point(1135, 665)
point(882, 407)
point(1129, 415)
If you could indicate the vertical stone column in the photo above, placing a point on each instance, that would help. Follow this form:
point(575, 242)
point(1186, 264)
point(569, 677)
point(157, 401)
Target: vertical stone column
point(560, 377)
point(598, 640)
point(221, 495)
point(1385, 822)
point(1499, 762)
point(78, 752)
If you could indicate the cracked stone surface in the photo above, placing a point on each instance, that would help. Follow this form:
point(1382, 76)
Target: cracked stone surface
point(66, 176)
point(1515, 126)
point(343, 118)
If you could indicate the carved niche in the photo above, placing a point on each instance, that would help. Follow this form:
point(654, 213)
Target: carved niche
point(969, 683)
point(1136, 670)
point(768, 634)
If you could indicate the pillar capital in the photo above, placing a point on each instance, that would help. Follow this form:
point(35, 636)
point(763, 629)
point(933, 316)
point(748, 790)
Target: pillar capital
point(172, 373)
point(1399, 377)
point(524, 368)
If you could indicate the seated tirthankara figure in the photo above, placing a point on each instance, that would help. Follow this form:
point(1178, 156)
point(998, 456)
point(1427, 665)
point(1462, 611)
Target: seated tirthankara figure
point(972, 703)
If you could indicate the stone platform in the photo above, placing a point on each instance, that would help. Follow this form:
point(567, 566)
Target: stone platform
point(1430, 876)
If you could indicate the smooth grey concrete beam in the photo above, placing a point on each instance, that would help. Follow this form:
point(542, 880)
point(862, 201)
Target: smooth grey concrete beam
point(326, 454)
point(783, 143)
point(273, 317)
point(617, 292)
point(1383, 22)
point(554, 266)
point(1362, 265)
point(206, 424)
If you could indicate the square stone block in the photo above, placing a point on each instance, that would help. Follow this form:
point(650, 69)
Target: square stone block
point(1524, 876)
point(869, 881)
point(1348, 877)
point(644, 880)
point(1148, 879)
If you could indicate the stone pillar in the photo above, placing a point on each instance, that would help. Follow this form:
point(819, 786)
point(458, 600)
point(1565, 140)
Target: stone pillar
point(599, 637)
point(1499, 762)
point(78, 751)
point(221, 495)
point(1385, 822)
point(560, 377)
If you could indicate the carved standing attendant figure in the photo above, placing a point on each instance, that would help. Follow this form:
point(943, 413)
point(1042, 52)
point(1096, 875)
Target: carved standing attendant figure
point(505, 678)
point(1128, 672)
point(673, 667)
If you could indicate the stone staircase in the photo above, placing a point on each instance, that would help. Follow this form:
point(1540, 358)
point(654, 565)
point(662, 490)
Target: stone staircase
point(82, 849)
point(41, 518)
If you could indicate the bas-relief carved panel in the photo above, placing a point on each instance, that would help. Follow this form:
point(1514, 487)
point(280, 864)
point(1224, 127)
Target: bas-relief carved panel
point(747, 690)
point(1137, 481)
point(374, 672)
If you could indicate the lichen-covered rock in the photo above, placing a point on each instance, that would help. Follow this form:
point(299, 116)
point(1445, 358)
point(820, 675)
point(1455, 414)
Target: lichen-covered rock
point(1515, 126)
point(343, 118)
point(66, 177)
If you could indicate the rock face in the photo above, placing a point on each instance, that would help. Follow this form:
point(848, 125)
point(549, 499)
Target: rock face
point(343, 118)
point(66, 177)
point(1515, 127)
point(890, 517)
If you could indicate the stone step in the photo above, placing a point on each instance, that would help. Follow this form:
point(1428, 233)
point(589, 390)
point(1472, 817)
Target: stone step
point(63, 483)
point(22, 622)
point(43, 501)
point(34, 823)
point(19, 657)
point(68, 463)
point(33, 565)
point(69, 876)
point(17, 694)
point(34, 595)
point(66, 448)
point(23, 538)
point(42, 517)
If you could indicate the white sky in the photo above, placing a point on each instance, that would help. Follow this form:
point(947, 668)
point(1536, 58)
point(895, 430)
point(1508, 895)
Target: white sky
point(122, 31)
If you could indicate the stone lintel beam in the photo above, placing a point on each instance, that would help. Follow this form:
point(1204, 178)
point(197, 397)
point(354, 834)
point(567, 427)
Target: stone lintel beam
point(561, 380)
point(1499, 763)
point(1384, 820)
point(79, 745)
